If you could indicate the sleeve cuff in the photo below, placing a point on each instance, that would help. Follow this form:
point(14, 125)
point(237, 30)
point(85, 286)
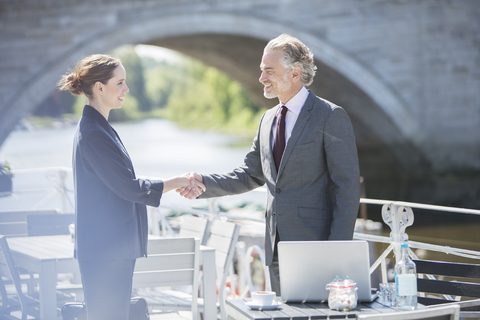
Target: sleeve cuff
point(154, 191)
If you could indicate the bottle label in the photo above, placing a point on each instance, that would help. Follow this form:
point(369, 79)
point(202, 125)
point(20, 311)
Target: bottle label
point(406, 284)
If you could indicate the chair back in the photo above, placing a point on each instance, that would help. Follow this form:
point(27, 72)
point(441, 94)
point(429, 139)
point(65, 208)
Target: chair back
point(9, 273)
point(195, 227)
point(13, 223)
point(49, 224)
point(170, 262)
point(458, 279)
point(449, 312)
point(223, 238)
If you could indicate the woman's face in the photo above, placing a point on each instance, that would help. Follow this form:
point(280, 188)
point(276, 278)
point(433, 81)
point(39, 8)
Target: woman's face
point(115, 89)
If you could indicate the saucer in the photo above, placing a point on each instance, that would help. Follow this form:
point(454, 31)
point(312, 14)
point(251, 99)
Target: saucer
point(273, 306)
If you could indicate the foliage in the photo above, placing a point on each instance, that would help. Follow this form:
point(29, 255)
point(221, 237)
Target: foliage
point(6, 169)
point(129, 110)
point(206, 98)
point(188, 92)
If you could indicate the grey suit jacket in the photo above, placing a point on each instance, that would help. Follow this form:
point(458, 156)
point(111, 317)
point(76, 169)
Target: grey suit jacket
point(316, 193)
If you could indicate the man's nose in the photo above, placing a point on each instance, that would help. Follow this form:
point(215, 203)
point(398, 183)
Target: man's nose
point(262, 77)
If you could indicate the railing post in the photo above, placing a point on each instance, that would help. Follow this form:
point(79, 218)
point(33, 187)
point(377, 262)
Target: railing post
point(62, 186)
point(398, 218)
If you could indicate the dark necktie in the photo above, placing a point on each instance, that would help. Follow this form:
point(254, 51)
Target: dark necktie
point(279, 144)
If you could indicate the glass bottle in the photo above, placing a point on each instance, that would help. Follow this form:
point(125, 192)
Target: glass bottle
point(405, 280)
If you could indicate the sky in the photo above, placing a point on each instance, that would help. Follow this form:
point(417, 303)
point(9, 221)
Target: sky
point(158, 53)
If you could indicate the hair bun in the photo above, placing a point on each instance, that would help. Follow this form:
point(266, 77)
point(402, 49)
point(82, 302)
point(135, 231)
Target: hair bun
point(74, 83)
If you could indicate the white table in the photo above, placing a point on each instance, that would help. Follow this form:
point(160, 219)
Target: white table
point(47, 256)
point(50, 255)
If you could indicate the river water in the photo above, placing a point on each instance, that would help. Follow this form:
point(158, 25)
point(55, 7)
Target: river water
point(161, 149)
point(158, 148)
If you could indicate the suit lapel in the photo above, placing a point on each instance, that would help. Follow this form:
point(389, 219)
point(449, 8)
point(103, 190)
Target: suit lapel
point(302, 120)
point(122, 147)
point(89, 111)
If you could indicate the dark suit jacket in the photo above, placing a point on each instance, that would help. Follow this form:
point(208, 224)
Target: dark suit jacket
point(316, 193)
point(111, 216)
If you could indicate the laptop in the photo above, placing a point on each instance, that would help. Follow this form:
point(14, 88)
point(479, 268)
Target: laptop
point(306, 267)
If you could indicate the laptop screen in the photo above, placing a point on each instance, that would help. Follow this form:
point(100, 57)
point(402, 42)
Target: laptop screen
point(306, 267)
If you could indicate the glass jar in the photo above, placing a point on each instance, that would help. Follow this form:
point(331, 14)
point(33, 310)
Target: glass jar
point(343, 294)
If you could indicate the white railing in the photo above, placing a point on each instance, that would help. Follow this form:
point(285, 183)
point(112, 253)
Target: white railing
point(38, 188)
point(398, 215)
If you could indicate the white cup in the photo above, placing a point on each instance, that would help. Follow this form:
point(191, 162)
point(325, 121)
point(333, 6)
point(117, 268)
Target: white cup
point(263, 298)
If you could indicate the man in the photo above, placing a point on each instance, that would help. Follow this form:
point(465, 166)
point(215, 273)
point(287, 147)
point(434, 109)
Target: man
point(314, 188)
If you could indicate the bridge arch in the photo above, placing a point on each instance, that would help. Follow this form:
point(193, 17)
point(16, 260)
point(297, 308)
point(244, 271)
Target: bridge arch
point(230, 42)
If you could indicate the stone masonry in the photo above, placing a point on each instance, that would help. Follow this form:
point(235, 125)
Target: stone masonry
point(406, 71)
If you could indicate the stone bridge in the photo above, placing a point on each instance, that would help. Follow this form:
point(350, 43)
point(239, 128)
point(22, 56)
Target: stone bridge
point(406, 71)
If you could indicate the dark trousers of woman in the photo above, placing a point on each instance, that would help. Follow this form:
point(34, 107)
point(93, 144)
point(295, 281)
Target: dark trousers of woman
point(107, 286)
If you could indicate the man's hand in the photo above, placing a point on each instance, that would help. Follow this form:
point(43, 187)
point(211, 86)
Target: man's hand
point(196, 187)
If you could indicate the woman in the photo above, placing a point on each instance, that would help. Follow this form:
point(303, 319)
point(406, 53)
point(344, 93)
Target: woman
point(111, 217)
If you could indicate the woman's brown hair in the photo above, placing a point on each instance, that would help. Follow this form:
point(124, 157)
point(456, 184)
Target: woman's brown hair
point(89, 70)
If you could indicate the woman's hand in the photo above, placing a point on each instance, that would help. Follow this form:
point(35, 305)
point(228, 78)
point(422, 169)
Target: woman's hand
point(194, 188)
point(187, 186)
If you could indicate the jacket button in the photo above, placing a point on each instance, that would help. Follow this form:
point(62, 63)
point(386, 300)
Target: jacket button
point(278, 190)
point(273, 213)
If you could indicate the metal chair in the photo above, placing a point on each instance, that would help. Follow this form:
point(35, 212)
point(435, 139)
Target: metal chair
point(18, 300)
point(13, 223)
point(170, 262)
point(449, 312)
point(459, 285)
point(195, 227)
point(223, 238)
point(49, 224)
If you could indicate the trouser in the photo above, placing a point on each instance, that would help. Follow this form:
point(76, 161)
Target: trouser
point(273, 269)
point(107, 287)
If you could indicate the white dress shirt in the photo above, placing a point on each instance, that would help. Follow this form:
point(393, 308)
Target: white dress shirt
point(294, 106)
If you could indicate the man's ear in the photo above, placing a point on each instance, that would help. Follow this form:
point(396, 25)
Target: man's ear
point(296, 74)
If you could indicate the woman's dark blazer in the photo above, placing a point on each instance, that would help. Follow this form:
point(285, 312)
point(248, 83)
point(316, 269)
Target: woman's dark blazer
point(111, 213)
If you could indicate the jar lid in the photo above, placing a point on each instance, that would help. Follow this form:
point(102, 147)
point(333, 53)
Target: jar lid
point(341, 284)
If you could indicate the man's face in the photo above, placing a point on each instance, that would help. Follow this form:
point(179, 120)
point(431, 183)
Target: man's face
point(277, 83)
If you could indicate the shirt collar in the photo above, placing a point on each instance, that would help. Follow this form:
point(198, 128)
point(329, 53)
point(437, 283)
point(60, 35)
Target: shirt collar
point(296, 103)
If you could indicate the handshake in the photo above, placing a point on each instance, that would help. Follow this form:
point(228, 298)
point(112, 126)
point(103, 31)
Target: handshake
point(192, 186)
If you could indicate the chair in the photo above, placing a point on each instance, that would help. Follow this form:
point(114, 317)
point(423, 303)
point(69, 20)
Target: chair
point(170, 262)
point(223, 237)
point(47, 224)
point(195, 227)
point(441, 291)
point(450, 312)
point(20, 301)
point(14, 223)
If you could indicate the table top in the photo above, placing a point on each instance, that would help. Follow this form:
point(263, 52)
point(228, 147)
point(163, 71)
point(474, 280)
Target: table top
point(237, 309)
point(59, 247)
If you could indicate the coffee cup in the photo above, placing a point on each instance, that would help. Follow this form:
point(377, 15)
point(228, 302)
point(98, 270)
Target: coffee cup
point(263, 298)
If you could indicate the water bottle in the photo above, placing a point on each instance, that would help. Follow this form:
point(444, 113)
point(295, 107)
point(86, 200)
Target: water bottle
point(405, 280)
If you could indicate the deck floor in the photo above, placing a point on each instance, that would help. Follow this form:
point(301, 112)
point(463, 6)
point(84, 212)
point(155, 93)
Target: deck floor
point(181, 315)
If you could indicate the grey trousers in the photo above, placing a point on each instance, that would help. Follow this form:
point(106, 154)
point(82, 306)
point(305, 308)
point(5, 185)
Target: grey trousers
point(273, 269)
point(275, 275)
